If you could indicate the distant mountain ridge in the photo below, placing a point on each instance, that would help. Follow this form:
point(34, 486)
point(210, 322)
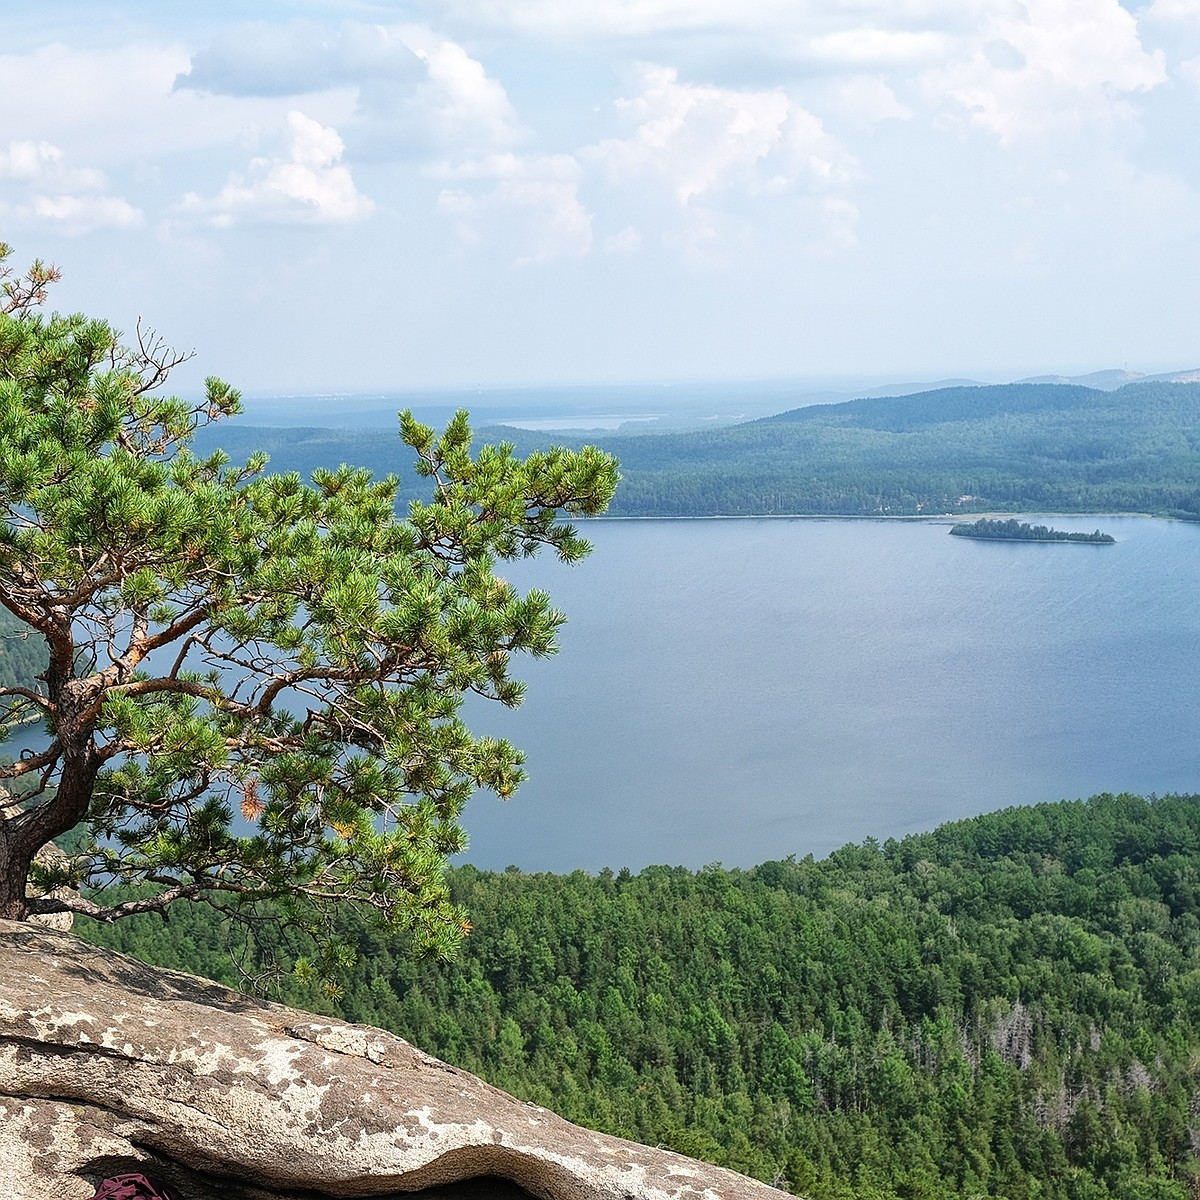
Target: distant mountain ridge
point(1018, 447)
point(1107, 380)
point(957, 403)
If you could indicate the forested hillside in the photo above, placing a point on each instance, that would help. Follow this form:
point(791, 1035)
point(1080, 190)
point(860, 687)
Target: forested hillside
point(1008, 1006)
point(1014, 447)
point(22, 652)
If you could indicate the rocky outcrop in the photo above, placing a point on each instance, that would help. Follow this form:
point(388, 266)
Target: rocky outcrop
point(107, 1066)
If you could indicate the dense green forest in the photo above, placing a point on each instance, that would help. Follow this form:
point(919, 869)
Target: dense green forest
point(1008, 1006)
point(1012, 447)
point(1013, 530)
point(22, 651)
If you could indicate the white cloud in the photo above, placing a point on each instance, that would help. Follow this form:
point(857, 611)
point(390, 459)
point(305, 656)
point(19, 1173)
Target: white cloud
point(28, 160)
point(625, 242)
point(865, 45)
point(867, 99)
point(307, 184)
point(1174, 26)
point(765, 32)
point(797, 148)
point(698, 139)
point(81, 214)
point(1172, 10)
point(294, 58)
point(695, 156)
point(529, 201)
point(621, 19)
point(458, 101)
point(47, 189)
point(109, 104)
point(1056, 64)
point(413, 87)
point(838, 227)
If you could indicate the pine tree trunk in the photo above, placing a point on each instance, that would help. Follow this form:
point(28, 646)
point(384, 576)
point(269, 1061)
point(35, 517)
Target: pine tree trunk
point(23, 834)
point(13, 905)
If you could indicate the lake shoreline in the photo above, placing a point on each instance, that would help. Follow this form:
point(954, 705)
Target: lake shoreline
point(926, 518)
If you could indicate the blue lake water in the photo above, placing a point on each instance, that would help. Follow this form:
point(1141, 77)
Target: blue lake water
point(740, 690)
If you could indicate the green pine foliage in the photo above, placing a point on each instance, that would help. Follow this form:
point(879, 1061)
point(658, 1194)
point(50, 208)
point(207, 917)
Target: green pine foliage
point(1008, 1006)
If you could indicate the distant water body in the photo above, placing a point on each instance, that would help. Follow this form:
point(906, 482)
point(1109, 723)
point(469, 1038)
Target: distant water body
point(741, 690)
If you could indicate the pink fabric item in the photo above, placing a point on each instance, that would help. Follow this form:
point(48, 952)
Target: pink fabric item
point(134, 1186)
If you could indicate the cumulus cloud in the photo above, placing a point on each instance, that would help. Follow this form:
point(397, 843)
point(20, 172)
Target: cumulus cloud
point(1054, 64)
point(308, 183)
point(698, 139)
point(413, 88)
point(30, 160)
point(45, 187)
point(694, 156)
point(534, 198)
point(460, 98)
point(81, 214)
point(296, 58)
point(1173, 10)
point(1174, 26)
point(866, 99)
point(625, 242)
point(861, 46)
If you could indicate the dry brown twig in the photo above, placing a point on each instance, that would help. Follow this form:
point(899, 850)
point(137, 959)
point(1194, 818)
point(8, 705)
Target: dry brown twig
point(19, 293)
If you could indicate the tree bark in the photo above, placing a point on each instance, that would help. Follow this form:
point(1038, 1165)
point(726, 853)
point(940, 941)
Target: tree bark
point(22, 834)
point(13, 905)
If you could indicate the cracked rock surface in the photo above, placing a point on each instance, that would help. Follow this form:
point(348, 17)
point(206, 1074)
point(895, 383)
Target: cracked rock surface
point(108, 1065)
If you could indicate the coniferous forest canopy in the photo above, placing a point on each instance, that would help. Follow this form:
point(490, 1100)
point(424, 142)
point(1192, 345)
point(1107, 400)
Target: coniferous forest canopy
point(1012, 447)
point(1008, 1006)
point(22, 652)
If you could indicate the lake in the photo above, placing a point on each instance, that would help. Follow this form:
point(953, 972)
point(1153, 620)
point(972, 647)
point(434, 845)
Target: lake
point(739, 690)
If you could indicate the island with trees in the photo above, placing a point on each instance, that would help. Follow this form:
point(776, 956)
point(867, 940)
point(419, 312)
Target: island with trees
point(1013, 530)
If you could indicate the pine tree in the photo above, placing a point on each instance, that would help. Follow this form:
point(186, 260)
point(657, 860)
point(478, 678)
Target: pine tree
point(253, 682)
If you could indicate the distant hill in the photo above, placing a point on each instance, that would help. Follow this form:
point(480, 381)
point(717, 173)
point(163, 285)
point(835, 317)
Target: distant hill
point(1046, 447)
point(1010, 447)
point(1111, 380)
point(922, 410)
point(1108, 380)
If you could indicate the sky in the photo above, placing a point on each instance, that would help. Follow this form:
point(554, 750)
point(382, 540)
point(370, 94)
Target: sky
point(499, 193)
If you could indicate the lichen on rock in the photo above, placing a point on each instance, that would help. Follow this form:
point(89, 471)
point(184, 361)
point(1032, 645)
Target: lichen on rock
point(108, 1065)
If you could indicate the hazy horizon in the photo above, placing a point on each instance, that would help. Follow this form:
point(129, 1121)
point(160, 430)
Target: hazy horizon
point(599, 405)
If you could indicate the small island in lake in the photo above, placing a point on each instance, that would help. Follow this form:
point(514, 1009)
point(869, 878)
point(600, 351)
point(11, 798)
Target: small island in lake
point(1013, 530)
